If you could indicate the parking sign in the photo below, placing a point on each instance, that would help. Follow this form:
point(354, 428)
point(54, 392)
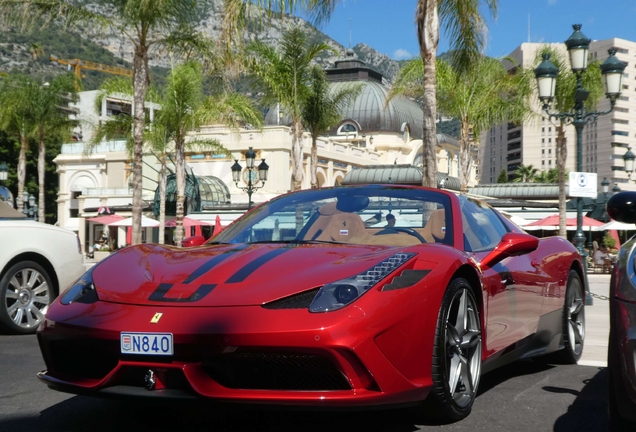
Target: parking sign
point(583, 185)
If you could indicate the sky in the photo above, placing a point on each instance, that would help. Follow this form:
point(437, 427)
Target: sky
point(388, 25)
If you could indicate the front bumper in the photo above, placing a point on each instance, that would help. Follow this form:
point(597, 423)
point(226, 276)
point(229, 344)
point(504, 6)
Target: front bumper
point(247, 354)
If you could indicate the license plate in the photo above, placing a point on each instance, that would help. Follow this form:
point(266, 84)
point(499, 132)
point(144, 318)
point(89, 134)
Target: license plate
point(146, 343)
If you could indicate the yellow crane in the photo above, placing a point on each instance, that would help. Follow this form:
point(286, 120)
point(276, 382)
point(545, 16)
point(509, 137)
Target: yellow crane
point(78, 65)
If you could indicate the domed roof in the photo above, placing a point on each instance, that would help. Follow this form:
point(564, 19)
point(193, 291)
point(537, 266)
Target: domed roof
point(370, 109)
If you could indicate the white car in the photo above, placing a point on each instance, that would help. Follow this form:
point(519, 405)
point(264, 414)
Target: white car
point(37, 262)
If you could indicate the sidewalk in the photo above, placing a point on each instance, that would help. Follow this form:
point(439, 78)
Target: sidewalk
point(597, 322)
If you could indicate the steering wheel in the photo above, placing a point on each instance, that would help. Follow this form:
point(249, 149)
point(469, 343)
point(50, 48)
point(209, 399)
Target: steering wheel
point(394, 230)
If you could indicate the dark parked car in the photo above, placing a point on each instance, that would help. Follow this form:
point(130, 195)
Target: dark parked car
point(622, 340)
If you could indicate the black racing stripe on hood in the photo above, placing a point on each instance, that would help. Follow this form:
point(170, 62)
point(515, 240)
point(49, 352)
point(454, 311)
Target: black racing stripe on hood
point(211, 263)
point(250, 268)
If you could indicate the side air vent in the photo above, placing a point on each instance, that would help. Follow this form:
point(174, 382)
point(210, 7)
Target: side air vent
point(296, 301)
point(406, 279)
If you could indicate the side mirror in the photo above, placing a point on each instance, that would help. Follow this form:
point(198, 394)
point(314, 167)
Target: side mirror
point(193, 241)
point(511, 244)
point(622, 207)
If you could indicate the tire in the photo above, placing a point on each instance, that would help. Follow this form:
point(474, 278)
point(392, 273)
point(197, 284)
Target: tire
point(457, 349)
point(573, 322)
point(616, 391)
point(26, 292)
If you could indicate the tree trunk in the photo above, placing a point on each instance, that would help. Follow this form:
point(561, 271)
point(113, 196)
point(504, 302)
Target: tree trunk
point(297, 154)
point(180, 168)
point(140, 82)
point(162, 200)
point(562, 155)
point(428, 38)
point(41, 174)
point(314, 161)
point(24, 143)
point(464, 157)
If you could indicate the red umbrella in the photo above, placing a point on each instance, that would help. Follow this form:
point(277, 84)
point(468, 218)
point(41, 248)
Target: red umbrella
point(552, 222)
point(105, 220)
point(217, 226)
point(187, 222)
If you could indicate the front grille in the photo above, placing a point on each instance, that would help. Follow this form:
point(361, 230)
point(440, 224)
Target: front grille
point(84, 358)
point(296, 301)
point(276, 371)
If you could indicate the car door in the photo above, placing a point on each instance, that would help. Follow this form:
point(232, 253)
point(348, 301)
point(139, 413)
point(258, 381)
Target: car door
point(513, 301)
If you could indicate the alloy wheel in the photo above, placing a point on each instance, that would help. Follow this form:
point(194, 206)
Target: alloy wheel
point(463, 348)
point(27, 298)
point(576, 316)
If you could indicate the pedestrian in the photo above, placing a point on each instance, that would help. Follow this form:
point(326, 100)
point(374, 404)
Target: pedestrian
point(390, 220)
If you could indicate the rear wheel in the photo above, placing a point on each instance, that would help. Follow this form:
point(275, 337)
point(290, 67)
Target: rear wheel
point(573, 321)
point(25, 294)
point(456, 355)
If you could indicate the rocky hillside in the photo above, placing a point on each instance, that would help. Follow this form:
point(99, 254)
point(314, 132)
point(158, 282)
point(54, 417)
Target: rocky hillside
point(30, 53)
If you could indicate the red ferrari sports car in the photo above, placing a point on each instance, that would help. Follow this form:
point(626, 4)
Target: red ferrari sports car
point(311, 299)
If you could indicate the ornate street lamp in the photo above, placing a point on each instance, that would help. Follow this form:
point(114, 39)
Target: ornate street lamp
point(628, 159)
point(251, 175)
point(5, 195)
point(4, 172)
point(605, 185)
point(29, 207)
point(615, 189)
point(546, 75)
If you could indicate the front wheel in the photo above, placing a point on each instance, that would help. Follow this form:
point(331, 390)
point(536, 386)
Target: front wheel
point(25, 294)
point(456, 355)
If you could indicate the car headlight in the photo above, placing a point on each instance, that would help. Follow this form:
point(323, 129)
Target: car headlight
point(82, 291)
point(336, 295)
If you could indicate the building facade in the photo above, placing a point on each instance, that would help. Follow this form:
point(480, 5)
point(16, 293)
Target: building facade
point(373, 131)
point(506, 146)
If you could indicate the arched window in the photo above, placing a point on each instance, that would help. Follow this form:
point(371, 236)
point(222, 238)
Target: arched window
point(348, 128)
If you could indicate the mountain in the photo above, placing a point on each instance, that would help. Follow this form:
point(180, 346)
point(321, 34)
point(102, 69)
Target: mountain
point(29, 53)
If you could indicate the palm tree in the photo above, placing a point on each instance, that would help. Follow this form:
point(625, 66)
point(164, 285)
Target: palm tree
point(563, 102)
point(525, 174)
point(465, 28)
point(184, 108)
point(285, 77)
point(45, 102)
point(322, 110)
point(549, 176)
point(148, 25)
point(15, 118)
point(462, 20)
point(479, 97)
point(36, 51)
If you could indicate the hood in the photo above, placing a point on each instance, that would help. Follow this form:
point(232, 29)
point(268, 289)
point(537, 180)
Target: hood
point(227, 275)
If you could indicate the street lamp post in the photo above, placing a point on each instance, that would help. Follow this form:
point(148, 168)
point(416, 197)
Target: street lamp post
point(29, 208)
point(253, 175)
point(4, 175)
point(605, 185)
point(546, 74)
point(628, 158)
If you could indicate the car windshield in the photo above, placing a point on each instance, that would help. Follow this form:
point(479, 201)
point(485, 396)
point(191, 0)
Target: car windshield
point(372, 215)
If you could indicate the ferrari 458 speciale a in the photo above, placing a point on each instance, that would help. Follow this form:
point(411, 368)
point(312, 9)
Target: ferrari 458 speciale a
point(311, 299)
